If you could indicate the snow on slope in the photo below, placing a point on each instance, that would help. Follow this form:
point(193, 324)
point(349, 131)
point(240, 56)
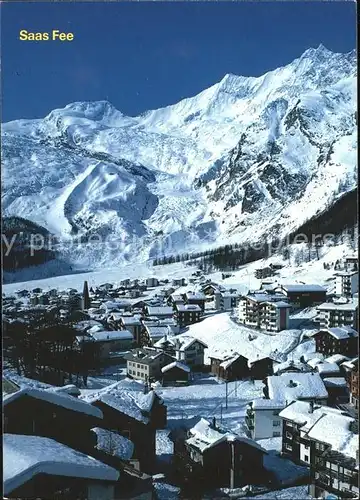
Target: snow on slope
point(247, 158)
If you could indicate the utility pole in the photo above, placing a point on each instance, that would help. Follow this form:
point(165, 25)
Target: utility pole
point(221, 418)
point(236, 388)
point(226, 397)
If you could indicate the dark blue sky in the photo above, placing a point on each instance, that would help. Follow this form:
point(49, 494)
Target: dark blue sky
point(145, 55)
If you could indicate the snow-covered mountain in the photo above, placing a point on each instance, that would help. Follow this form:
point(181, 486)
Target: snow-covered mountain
point(247, 158)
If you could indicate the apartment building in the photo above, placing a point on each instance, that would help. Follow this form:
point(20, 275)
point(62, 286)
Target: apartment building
point(334, 314)
point(263, 311)
point(346, 283)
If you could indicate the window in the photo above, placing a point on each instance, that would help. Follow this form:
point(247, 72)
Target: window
point(288, 446)
point(138, 374)
point(306, 457)
point(276, 423)
point(288, 435)
point(138, 366)
point(276, 434)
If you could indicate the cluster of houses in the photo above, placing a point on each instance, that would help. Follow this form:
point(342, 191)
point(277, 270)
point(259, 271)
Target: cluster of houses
point(311, 404)
point(60, 444)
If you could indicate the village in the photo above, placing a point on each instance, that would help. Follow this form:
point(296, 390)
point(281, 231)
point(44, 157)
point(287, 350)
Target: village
point(184, 387)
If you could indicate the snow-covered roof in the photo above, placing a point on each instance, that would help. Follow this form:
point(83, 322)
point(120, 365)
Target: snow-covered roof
point(313, 362)
point(299, 287)
point(264, 297)
point(113, 443)
point(67, 389)
point(267, 404)
point(279, 304)
point(160, 311)
point(110, 336)
point(336, 358)
point(144, 355)
point(340, 332)
point(346, 273)
point(302, 413)
point(332, 306)
point(313, 355)
point(179, 342)
point(327, 368)
point(195, 296)
point(176, 364)
point(114, 305)
point(204, 436)
point(126, 396)
point(157, 331)
point(351, 364)
point(55, 398)
point(334, 430)
point(288, 387)
point(229, 360)
point(290, 364)
point(28, 456)
point(188, 307)
point(335, 382)
point(131, 320)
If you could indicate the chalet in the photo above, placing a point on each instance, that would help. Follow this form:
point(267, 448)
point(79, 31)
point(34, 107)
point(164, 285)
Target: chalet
point(338, 392)
point(133, 325)
point(332, 314)
point(133, 414)
point(184, 348)
point(155, 332)
point(309, 438)
point(112, 341)
point(47, 413)
point(326, 369)
point(262, 418)
point(264, 311)
point(152, 282)
point(300, 295)
point(300, 419)
point(40, 467)
point(170, 323)
point(229, 367)
point(117, 451)
point(347, 367)
point(145, 363)
point(187, 314)
point(260, 367)
point(226, 301)
point(346, 283)
point(195, 298)
point(237, 367)
point(211, 289)
point(179, 282)
point(175, 373)
point(296, 386)
point(175, 299)
point(160, 312)
point(291, 366)
point(208, 455)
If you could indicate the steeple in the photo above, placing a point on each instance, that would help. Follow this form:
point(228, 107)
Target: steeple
point(86, 296)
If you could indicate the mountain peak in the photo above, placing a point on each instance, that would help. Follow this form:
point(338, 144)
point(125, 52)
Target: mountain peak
point(321, 50)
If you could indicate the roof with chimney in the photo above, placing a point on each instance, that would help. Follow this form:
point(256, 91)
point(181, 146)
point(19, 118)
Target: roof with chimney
point(128, 397)
point(288, 387)
point(204, 435)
